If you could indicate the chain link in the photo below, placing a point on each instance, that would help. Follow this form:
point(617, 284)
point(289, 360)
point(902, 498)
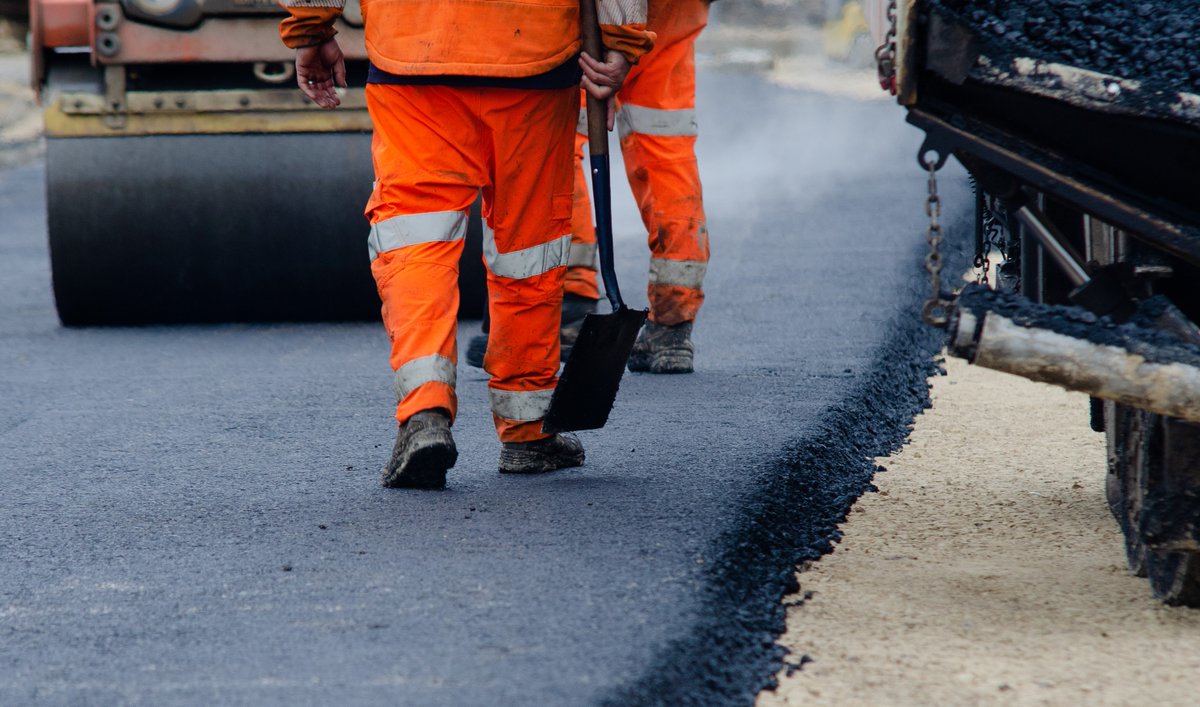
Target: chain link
point(936, 310)
point(993, 239)
point(885, 54)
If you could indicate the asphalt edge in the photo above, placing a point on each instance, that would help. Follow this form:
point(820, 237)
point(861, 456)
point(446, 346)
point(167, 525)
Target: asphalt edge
point(731, 654)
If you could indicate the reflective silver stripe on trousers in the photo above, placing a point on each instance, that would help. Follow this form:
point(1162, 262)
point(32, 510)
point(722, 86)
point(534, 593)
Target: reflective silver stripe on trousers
point(581, 127)
point(419, 371)
point(412, 229)
point(653, 121)
point(683, 273)
point(583, 255)
point(521, 406)
point(526, 262)
point(314, 3)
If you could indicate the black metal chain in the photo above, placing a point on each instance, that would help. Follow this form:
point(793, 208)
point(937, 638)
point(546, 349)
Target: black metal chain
point(990, 235)
point(936, 311)
point(885, 54)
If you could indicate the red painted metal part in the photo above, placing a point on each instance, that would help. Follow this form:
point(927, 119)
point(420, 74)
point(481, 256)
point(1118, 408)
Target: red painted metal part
point(216, 39)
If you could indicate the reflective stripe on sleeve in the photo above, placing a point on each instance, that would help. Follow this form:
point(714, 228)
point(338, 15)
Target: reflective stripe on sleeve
point(653, 121)
point(582, 127)
point(520, 405)
point(419, 371)
point(682, 273)
point(413, 229)
point(583, 255)
point(526, 262)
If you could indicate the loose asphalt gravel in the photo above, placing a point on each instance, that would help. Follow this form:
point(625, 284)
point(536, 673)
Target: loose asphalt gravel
point(192, 515)
point(1150, 40)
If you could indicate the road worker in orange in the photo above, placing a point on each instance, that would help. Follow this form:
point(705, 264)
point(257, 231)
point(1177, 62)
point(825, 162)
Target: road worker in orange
point(657, 124)
point(470, 96)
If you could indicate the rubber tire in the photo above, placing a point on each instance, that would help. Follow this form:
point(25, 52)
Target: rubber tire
point(1175, 469)
point(1148, 453)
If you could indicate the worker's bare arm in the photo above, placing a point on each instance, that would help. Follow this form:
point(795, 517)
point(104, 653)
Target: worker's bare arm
point(318, 70)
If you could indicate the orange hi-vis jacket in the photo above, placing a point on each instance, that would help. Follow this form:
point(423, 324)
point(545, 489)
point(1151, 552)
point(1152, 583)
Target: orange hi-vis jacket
point(471, 37)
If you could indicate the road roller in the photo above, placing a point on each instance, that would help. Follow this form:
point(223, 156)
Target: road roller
point(1079, 124)
point(188, 180)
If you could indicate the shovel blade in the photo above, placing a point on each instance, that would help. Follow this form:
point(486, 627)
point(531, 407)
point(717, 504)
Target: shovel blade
point(588, 385)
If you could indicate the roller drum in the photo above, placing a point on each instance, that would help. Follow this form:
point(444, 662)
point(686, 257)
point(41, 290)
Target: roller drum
point(216, 228)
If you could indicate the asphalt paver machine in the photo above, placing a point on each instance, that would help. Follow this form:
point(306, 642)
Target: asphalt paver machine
point(1079, 123)
point(189, 180)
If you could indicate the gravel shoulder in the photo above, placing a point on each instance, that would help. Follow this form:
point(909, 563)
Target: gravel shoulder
point(986, 570)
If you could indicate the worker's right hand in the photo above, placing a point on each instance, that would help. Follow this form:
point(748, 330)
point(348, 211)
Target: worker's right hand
point(318, 69)
point(603, 80)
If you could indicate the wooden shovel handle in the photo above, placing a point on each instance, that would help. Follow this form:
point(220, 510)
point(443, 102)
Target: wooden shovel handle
point(597, 110)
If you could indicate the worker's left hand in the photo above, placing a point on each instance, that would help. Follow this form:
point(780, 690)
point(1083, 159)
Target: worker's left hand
point(603, 80)
point(318, 70)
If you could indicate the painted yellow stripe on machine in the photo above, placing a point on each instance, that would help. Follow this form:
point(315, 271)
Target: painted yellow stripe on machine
point(681, 273)
point(527, 262)
point(654, 121)
point(58, 124)
point(520, 405)
point(414, 229)
point(204, 112)
point(419, 371)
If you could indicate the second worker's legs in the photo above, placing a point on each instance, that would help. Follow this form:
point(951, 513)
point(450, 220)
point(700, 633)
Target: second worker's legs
point(657, 123)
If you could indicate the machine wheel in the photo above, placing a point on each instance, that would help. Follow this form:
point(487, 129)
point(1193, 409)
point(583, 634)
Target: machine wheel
point(1154, 462)
point(1126, 462)
point(1174, 477)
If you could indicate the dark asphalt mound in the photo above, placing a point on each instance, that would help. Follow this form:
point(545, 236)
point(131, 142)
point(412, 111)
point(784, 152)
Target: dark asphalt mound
point(793, 518)
point(1148, 40)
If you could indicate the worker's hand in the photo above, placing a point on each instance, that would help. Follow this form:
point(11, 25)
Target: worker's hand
point(603, 80)
point(318, 70)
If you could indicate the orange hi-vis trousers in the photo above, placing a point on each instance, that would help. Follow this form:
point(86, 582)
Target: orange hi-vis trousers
point(434, 149)
point(657, 124)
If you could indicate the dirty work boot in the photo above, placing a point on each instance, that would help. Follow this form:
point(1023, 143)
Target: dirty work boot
point(424, 451)
point(476, 348)
point(574, 309)
point(663, 349)
point(558, 452)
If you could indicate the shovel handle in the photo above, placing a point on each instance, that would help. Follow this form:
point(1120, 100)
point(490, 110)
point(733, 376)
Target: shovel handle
point(597, 110)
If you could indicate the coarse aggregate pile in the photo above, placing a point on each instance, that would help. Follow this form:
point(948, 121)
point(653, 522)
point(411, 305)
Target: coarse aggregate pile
point(1153, 41)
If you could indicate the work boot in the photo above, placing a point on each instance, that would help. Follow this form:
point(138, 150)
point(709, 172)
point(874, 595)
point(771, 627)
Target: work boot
point(476, 348)
point(574, 309)
point(424, 451)
point(663, 349)
point(557, 452)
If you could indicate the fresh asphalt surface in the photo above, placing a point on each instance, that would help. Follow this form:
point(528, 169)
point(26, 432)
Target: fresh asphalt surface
point(193, 515)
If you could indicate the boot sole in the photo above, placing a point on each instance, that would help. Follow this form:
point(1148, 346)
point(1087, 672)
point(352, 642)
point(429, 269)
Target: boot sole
point(662, 363)
point(544, 465)
point(425, 468)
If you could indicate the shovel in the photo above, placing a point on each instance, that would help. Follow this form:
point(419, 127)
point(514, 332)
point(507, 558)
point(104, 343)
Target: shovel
point(588, 385)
